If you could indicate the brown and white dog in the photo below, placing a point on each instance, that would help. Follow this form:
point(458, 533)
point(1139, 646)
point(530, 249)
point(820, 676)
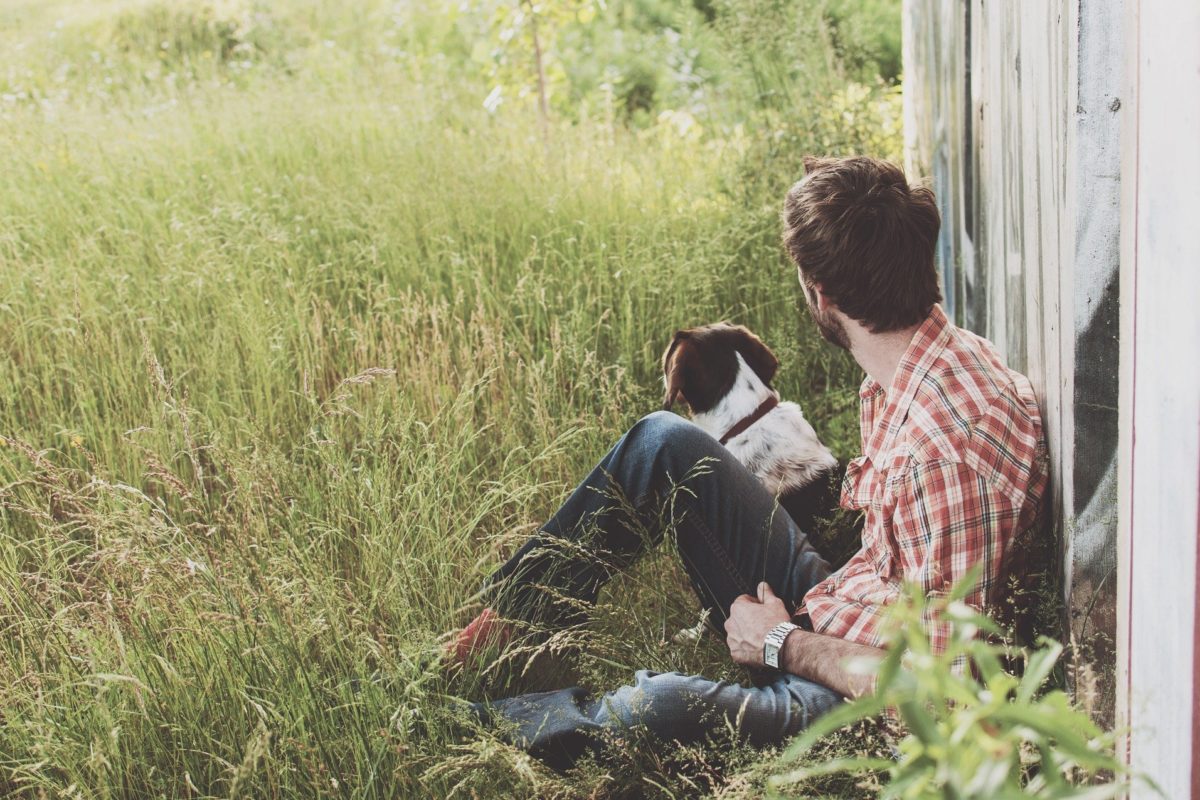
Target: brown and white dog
point(723, 373)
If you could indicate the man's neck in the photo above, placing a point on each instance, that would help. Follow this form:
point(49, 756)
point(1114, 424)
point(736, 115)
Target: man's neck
point(879, 354)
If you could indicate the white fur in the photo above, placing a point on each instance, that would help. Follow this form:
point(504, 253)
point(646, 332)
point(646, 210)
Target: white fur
point(781, 448)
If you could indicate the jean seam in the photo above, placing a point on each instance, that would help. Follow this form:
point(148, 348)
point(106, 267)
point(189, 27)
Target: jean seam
point(723, 555)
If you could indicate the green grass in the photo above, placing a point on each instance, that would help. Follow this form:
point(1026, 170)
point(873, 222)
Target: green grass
point(297, 341)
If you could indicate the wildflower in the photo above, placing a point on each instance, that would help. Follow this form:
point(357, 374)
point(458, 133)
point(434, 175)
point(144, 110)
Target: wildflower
point(493, 100)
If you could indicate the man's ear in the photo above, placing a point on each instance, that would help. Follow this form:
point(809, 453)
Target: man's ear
point(758, 356)
point(820, 299)
point(674, 360)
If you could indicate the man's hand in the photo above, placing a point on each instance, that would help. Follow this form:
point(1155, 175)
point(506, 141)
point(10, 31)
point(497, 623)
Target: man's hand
point(750, 620)
point(809, 655)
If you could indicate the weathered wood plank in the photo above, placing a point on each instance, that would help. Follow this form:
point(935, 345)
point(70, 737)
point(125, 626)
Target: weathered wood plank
point(1160, 395)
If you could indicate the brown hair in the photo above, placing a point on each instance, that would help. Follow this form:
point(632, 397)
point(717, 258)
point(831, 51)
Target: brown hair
point(856, 228)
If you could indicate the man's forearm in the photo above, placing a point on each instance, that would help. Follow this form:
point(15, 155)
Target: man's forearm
point(822, 659)
point(813, 656)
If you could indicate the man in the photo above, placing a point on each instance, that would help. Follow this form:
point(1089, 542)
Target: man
point(952, 469)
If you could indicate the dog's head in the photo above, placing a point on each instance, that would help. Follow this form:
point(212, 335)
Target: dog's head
point(700, 365)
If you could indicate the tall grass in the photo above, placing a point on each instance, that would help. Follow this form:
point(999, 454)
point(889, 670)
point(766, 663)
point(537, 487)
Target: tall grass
point(297, 341)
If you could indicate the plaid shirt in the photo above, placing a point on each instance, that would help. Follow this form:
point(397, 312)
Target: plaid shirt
point(953, 468)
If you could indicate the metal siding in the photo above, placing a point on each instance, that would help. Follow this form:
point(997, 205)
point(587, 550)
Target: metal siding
point(1035, 265)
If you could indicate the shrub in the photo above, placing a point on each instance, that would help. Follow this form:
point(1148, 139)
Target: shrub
point(981, 732)
point(866, 35)
point(178, 34)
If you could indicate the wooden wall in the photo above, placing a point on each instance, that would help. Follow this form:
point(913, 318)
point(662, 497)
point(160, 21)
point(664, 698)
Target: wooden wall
point(1160, 397)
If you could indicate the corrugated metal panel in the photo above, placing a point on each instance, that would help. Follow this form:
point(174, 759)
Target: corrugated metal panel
point(1010, 111)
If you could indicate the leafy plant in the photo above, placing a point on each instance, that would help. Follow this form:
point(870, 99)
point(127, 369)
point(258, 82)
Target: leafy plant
point(976, 731)
point(866, 37)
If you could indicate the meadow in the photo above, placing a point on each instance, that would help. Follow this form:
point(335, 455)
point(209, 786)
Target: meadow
point(308, 315)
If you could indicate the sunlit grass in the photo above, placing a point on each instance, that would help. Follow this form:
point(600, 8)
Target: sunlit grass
point(292, 352)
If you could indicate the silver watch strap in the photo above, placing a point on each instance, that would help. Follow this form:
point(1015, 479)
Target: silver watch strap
point(774, 643)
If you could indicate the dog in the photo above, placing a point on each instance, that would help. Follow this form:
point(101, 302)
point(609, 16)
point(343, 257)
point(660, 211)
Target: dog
point(723, 373)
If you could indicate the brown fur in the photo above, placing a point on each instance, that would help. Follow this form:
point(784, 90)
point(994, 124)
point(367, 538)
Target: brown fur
point(700, 364)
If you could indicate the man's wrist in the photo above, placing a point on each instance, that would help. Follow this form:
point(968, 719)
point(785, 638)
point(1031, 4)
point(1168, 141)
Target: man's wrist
point(822, 659)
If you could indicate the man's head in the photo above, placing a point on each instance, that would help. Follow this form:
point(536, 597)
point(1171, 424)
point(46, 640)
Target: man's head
point(863, 239)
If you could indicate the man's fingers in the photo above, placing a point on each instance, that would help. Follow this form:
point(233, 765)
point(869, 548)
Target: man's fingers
point(764, 592)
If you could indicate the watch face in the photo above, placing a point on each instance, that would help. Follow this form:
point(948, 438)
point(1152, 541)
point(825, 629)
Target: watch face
point(771, 652)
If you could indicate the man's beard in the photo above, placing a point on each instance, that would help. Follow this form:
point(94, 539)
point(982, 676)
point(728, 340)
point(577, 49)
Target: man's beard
point(831, 327)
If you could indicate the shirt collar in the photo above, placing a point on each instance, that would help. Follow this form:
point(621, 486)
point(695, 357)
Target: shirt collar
point(927, 344)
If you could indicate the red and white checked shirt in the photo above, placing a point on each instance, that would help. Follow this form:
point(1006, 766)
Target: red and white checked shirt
point(953, 468)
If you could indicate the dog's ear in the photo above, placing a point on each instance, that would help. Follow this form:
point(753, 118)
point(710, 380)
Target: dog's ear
point(699, 367)
point(673, 369)
point(758, 356)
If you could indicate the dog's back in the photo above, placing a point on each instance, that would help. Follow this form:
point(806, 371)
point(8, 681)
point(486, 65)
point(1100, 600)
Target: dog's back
point(723, 373)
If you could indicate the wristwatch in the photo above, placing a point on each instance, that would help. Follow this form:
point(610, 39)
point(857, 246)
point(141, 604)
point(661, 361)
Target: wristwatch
point(774, 643)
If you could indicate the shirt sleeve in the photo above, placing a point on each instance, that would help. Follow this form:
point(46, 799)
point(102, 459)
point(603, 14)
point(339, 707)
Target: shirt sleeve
point(947, 519)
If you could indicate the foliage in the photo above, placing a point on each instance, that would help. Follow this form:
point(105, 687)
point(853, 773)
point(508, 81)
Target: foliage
point(866, 37)
point(974, 729)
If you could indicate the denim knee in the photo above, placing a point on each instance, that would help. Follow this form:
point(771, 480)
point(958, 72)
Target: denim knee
point(669, 436)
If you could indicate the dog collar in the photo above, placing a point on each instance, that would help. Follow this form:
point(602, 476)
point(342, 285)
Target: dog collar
point(746, 422)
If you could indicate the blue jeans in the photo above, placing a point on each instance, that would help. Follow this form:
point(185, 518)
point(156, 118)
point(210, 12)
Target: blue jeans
point(665, 473)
